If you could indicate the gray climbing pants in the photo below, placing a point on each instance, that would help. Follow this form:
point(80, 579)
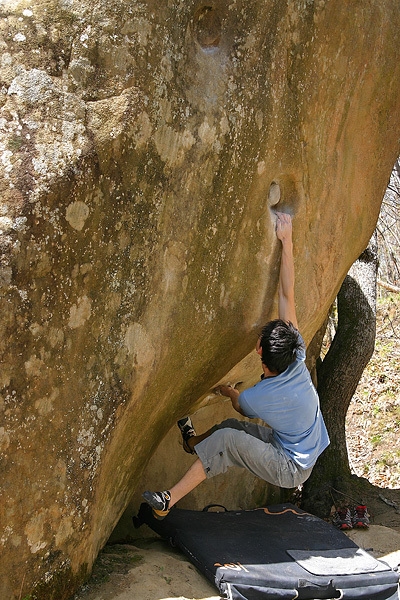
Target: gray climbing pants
point(252, 447)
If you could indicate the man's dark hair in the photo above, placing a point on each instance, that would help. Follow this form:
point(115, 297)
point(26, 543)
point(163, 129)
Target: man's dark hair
point(279, 342)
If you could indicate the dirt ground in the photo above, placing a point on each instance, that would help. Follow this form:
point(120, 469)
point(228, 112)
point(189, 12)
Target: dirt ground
point(373, 417)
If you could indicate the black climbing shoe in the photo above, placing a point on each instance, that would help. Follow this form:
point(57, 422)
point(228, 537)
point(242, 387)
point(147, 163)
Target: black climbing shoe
point(187, 430)
point(159, 502)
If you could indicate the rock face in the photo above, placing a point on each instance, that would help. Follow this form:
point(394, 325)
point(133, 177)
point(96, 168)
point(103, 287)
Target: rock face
point(144, 146)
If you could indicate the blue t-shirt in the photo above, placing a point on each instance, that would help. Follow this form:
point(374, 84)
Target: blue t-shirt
point(289, 404)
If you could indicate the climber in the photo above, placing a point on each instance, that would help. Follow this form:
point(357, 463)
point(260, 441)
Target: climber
point(283, 452)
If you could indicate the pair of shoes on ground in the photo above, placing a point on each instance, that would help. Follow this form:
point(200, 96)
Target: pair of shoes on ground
point(358, 518)
point(159, 501)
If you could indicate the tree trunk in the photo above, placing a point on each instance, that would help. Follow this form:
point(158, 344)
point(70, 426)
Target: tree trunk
point(338, 376)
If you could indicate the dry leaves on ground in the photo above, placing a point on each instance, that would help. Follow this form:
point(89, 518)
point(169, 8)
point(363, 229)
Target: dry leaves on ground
point(373, 418)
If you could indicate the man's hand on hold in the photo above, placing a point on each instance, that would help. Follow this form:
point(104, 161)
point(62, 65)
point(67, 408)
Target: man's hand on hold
point(232, 393)
point(283, 227)
point(226, 390)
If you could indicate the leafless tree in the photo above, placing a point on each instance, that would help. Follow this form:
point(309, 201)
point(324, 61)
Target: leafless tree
point(339, 373)
point(348, 345)
point(388, 232)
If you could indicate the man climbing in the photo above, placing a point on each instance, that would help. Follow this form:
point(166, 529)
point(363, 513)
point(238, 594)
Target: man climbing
point(284, 452)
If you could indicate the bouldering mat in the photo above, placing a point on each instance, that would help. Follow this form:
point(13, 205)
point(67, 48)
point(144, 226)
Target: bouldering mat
point(274, 553)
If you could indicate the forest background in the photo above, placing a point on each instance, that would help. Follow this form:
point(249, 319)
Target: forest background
point(373, 418)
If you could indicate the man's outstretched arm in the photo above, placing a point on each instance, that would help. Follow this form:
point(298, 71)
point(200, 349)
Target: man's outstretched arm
point(286, 302)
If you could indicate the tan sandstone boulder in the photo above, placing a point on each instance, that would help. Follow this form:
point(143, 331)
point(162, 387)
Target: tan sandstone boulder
point(142, 147)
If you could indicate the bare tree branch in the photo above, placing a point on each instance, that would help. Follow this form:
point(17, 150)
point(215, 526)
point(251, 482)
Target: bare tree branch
point(388, 286)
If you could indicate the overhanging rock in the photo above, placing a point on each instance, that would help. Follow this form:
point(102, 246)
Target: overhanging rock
point(144, 147)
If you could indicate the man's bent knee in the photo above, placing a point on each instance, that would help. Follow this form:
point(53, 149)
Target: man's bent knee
point(231, 424)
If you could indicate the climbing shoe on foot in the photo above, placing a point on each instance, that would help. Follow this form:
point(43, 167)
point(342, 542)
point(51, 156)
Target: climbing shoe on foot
point(187, 431)
point(159, 502)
